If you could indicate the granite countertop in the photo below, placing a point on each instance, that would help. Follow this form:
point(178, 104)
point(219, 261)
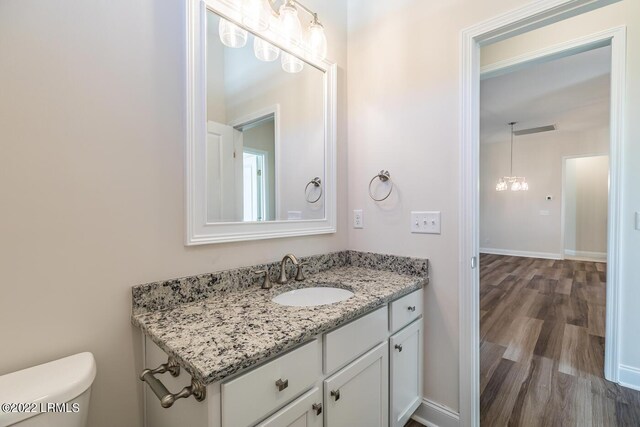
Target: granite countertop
point(234, 329)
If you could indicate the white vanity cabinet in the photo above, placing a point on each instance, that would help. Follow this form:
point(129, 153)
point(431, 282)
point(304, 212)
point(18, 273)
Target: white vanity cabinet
point(405, 373)
point(358, 394)
point(306, 411)
point(366, 373)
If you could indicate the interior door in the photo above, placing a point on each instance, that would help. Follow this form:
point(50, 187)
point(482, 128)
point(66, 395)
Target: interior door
point(358, 395)
point(406, 373)
point(221, 173)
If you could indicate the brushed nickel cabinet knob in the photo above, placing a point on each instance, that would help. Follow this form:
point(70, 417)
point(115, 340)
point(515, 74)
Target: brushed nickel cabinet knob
point(282, 384)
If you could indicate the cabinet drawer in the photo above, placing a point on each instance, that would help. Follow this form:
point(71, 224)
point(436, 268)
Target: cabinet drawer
point(353, 339)
point(249, 397)
point(405, 310)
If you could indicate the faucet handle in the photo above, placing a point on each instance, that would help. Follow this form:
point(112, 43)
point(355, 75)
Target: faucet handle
point(266, 283)
point(300, 274)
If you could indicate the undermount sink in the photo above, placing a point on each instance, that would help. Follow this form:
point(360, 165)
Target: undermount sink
point(311, 297)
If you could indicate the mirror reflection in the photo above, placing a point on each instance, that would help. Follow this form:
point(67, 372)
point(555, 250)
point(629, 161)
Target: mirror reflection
point(265, 130)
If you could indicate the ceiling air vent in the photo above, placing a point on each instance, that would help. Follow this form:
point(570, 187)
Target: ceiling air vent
point(529, 131)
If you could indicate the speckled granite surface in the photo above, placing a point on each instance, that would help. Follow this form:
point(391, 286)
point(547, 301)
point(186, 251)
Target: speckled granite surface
point(218, 324)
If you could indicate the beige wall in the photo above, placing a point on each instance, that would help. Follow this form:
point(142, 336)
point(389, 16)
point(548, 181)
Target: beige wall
point(92, 174)
point(525, 221)
point(403, 116)
point(586, 189)
point(92, 178)
point(627, 13)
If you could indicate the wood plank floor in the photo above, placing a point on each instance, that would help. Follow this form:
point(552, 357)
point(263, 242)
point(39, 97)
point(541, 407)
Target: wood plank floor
point(542, 346)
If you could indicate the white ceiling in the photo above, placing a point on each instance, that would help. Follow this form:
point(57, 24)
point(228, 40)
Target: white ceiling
point(572, 92)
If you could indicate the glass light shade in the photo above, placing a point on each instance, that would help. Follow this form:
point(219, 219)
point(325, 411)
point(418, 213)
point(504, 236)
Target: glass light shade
point(290, 24)
point(516, 186)
point(317, 41)
point(256, 14)
point(524, 186)
point(265, 51)
point(231, 35)
point(501, 185)
point(291, 64)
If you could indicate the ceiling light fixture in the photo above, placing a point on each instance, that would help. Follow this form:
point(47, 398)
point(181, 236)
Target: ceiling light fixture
point(515, 183)
point(260, 15)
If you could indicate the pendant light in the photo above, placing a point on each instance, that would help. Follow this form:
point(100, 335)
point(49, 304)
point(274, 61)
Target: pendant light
point(515, 183)
point(231, 35)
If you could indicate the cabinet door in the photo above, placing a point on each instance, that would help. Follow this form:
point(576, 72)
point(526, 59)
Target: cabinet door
point(406, 373)
point(358, 395)
point(306, 411)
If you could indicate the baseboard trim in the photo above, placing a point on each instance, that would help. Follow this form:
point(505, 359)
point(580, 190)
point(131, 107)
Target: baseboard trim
point(585, 255)
point(629, 377)
point(524, 254)
point(432, 414)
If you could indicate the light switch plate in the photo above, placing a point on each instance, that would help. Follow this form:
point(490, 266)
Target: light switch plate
point(423, 222)
point(637, 220)
point(358, 218)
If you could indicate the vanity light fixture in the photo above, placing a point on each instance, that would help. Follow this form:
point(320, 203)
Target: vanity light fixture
point(231, 35)
point(264, 50)
point(260, 15)
point(317, 39)
point(256, 14)
point(515, 183)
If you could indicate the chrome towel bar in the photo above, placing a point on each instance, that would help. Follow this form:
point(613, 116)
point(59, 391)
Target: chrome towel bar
point(167, 399)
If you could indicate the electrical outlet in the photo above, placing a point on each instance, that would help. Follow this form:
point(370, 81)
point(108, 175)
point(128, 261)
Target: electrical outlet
point(358, 219)
point(425, 222)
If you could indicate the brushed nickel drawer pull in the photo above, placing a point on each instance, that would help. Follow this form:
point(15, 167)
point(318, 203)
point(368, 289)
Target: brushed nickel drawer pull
point(335, 394)
point(412, 308)
point(398, 347)
point(282, 384)
point(317, 407)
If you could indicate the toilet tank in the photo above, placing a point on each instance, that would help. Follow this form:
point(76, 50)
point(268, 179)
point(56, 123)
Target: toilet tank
point(52, 394)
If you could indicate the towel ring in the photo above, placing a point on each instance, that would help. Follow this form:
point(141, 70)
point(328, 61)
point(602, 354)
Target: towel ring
point(383, 176)
point(316, 182)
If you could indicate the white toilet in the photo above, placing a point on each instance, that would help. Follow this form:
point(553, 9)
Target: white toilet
point(56, 394)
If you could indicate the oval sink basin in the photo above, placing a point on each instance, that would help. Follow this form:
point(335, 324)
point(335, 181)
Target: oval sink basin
point(311, 297)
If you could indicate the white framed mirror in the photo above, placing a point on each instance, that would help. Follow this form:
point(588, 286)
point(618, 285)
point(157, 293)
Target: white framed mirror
point(261, 135)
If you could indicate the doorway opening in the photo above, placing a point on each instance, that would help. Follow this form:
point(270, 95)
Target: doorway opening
point(543, 263)
point(512, 24)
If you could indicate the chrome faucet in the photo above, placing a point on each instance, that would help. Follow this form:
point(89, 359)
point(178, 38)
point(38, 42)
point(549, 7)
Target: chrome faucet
point(283, 268)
